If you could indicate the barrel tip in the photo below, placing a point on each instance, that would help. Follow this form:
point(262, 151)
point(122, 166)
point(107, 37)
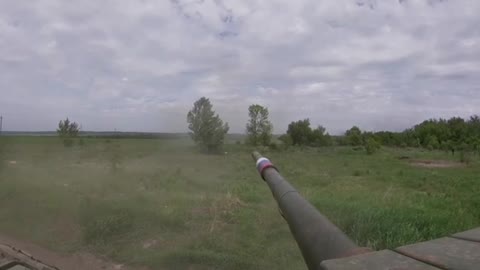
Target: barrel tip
point(256, 155)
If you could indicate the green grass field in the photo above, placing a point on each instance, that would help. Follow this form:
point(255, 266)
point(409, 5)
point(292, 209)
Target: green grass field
point(164, 205)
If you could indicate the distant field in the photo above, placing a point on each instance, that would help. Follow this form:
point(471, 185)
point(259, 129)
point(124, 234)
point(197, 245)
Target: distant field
point(161, 204)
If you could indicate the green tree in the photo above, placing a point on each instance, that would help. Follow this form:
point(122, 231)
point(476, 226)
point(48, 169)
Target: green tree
point(207, 129)
point(474, 126)
point(67, 131)
point(259, 128)
point(354, 136)
point(320, 137)
point(476, 146)
point(432, 142)
point(300, 132)
point(448, 135)
point(458, 130)
point(372, 146)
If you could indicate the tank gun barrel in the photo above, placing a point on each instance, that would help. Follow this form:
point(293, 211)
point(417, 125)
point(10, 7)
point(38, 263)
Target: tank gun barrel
point(317, 237)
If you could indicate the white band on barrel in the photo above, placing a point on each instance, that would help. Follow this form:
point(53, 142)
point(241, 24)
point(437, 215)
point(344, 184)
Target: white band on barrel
point(260, 160)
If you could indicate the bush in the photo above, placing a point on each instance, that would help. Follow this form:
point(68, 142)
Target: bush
point(105, 228)
point(432, 142)
point(372, 146)
point(286, 139)
point(273, 146)
point(357, 173)
point(354, 136)
point(300, 132)
point(102, 222)
point(68, 131)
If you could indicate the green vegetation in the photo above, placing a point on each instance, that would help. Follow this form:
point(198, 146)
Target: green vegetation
point(353, 136)
point(448, 135)
point(166, 206)
point(67, 131)
point(300, 133)
point(455, 134)
point(207, 129)
point(259, 128)
point(372, 146)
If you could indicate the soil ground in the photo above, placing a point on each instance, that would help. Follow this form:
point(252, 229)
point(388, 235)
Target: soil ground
point(436, 163)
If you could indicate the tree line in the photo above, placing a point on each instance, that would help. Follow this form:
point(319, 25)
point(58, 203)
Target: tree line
point(208, 131)
point(454, 134)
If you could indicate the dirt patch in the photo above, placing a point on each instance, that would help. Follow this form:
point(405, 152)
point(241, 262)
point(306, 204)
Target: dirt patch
point(150, 243)
point(76, 261)
point(436, 163)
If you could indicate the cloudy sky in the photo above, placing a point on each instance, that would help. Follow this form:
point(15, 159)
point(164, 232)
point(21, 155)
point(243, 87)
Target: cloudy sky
point(138, 65)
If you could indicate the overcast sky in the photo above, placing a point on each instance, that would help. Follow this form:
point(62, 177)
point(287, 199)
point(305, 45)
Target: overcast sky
point(138, 65)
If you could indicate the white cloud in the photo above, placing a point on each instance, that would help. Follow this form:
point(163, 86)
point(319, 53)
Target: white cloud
point(377, 64)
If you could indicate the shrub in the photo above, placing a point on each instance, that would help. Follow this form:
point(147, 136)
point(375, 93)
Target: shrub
point(357, 148)
point(67, 131)
point(102, 229)
point(273, 146)
point(102, 222)
point(372, 146)
point(286, 139)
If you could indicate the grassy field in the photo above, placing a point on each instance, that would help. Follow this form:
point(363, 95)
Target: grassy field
point(161, 204)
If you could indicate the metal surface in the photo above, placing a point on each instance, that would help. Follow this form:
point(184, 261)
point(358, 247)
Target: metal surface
point(12, 258)
point(471, 235)
point(317, 238)
point(440, 254)
point(445, 253)
point(380, 260)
